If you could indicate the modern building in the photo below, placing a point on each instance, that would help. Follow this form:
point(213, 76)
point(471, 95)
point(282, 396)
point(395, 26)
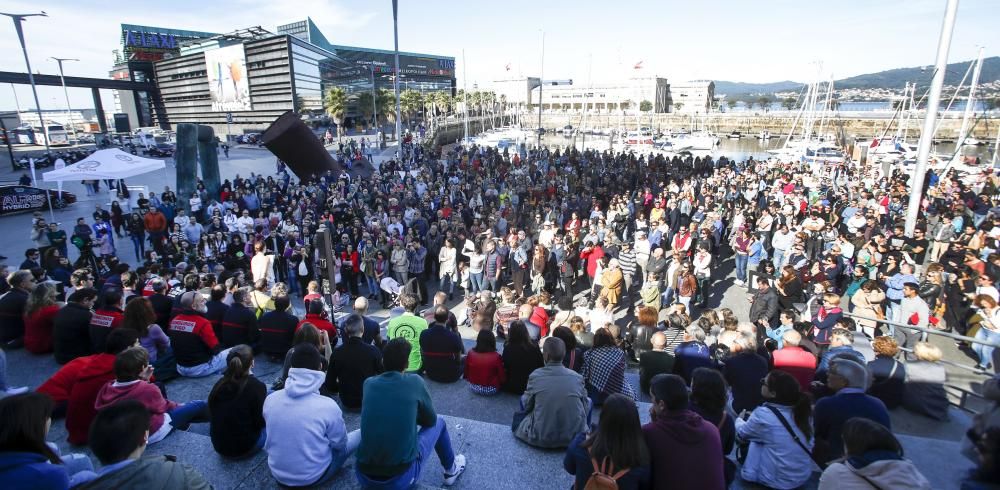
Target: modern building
point(242, 81)
point(365, 69)
point(141, 46)
point(627, 95)
point(694, 97)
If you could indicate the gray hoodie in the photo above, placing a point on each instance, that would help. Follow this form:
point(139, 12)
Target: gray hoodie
point(305, 430)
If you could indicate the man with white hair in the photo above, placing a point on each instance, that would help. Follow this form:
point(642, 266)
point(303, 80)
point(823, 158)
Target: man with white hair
point(372, 330)
point(848, 380)
point(197, 350)
point(352, 363)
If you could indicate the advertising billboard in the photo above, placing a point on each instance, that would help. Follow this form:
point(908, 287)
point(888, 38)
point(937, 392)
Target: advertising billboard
point(227, 79)
point(19, 198)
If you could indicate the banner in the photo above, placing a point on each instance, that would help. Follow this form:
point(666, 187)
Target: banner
point(227, 79)
point(19, 198)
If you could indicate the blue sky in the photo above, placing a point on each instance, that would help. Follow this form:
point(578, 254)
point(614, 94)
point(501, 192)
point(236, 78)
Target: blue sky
point(737, 40)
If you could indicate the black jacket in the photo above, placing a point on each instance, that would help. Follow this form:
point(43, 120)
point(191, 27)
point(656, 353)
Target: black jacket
point(441, 350)
point(12, 315)
point(276, 331)
point(71, 333)
point(743, 371)
point(163, 306)
point(215, 314)
point(237, 417)
point(519, 362)
point(350, 365)
point(239, 326)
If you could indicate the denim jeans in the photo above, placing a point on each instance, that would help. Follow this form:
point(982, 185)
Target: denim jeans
point(353, 441)
point(476, 282)
point(183, 415)
point(779, 255)
point(372, 284)
point(140, 247)
point(490, 284)
point(447, 279)
point(741, 267)
point(985, 352)
point(3, 371)
point(434, 438)
point(214, 366)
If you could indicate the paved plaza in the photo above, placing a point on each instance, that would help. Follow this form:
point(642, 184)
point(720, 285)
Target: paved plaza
point(479, 426)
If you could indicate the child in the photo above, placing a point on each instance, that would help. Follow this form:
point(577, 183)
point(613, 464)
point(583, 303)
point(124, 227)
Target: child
point(132, 373)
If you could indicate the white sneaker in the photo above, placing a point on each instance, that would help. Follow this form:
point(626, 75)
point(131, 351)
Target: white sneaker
point(457, 469)
point(14, 391)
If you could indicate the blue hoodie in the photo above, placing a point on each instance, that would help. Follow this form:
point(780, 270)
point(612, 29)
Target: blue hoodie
point(305, 430)
point(31, 470)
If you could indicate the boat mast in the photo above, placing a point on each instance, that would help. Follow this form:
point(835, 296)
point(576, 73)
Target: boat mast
point(969, 106)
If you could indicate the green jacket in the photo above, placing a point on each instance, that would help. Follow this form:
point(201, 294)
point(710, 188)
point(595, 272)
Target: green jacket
point(396, 406)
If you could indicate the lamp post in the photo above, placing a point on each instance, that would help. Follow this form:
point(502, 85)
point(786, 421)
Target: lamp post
point(69, 113)
point(18, 18)
point(541, 82)
point(374, 107)
point(395, 82)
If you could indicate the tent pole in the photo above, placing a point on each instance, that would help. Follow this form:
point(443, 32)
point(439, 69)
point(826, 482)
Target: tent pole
point(48, 199)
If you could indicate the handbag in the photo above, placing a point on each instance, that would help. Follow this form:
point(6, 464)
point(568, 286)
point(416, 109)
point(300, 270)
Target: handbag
point(303, 271)
point(795, 437)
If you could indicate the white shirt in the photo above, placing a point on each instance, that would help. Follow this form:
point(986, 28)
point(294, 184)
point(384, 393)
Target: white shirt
point(244, 224)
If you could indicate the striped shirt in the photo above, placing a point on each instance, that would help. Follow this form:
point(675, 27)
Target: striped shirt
point(627, 262)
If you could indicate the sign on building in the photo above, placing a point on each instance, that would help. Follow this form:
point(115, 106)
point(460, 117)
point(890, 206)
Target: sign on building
point(227, 79)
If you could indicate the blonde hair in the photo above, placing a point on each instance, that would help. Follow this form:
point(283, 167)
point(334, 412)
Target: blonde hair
point(926, 351)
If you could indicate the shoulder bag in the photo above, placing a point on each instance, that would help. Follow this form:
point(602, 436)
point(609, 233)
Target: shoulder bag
point(795, 437)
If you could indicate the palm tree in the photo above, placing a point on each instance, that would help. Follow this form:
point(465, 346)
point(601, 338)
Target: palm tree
point(678, 106)
point(645, 106)
point(335, 104)
point(749, 103)
point(410, 102)
point(364, 105)
point(788, 103)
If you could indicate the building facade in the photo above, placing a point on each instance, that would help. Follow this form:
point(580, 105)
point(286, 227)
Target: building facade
point(627, 95)
point(694, 97)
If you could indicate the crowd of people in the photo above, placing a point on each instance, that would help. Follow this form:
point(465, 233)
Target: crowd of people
point(574, 267)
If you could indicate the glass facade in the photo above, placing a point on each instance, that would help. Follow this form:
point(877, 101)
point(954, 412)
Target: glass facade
point(311, 68)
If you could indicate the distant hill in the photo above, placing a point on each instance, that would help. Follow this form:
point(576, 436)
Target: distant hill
point(893, 79)
point(898, 77)
point(741, 88)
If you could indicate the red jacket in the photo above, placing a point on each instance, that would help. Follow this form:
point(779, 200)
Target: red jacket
point(77, 383)
point(320, 323)
point(351, 258)
point(484, 369)
point(193, 339)
point(38, 330)
point(143, 391)
point(592, 257)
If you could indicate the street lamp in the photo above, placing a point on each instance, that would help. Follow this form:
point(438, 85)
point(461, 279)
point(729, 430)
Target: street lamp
point(374, 106)
point(69, 113)
point(395, 82)
point(18, 18)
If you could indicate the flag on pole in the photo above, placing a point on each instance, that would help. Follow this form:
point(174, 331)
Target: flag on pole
point(638, 66)
point(874, 143)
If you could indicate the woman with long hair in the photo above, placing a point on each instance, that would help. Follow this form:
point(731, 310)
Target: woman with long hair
point(867, 301)
point(616, 447)
point(790, 288)
point(604, 368)
point(873, 458)
point(307, 333)
point(39, 314)
point(709, 394)
point(26, 460)
point(236, 405)
point(140, 316)
point(484, 368)
point(778, 457)
point(574, 354)
point(521, 356)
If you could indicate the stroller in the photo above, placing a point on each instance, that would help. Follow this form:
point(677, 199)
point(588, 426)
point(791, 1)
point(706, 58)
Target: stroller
point(392, 290)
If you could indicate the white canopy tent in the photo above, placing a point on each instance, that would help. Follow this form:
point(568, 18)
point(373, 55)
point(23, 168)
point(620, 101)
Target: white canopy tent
point(105, 164)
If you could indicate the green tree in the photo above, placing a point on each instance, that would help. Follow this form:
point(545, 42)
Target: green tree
point(645, 106)
point(788, 103)
point(385, 100)
point(363, 102)
point(750, 103)
point(764, 102)
point(678, 106)
point(410, 102)
point(335, 105)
